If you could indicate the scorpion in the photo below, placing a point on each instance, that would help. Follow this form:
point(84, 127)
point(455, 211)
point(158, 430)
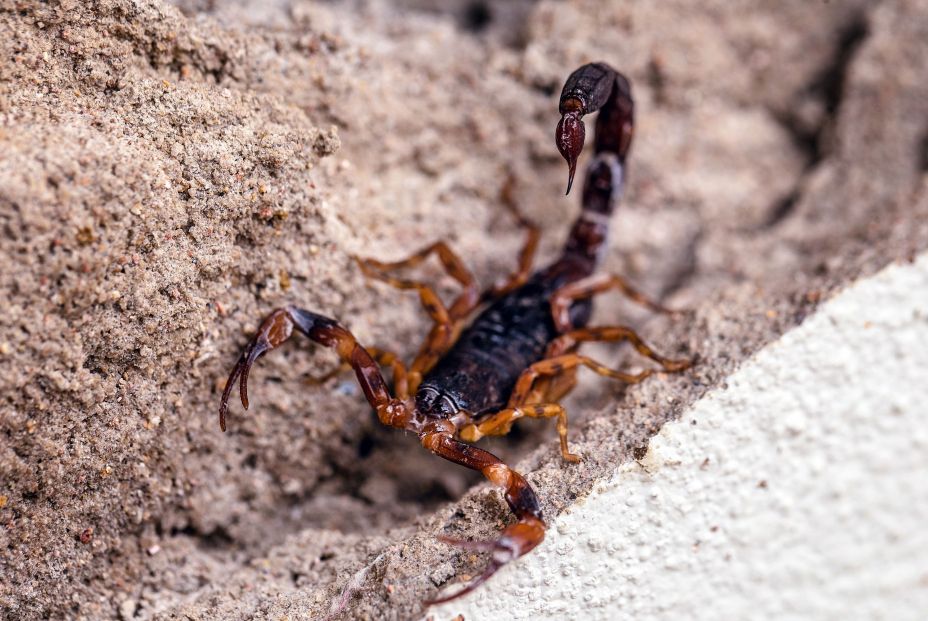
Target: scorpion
point(476, 376)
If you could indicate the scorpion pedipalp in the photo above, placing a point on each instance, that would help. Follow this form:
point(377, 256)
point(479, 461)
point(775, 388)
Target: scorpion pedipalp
point(515, 540)
point(278, 327)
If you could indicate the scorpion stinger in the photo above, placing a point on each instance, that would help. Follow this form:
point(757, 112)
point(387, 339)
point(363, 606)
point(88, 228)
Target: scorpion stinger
point(570, 135)
point(588, 89)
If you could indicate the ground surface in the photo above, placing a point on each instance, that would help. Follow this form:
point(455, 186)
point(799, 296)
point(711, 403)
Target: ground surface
point(168, 175)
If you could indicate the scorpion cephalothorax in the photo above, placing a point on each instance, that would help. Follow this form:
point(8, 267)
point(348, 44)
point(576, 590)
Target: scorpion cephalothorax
point(518, 356)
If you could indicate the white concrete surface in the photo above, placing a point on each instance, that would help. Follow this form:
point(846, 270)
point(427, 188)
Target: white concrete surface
point(799, 492)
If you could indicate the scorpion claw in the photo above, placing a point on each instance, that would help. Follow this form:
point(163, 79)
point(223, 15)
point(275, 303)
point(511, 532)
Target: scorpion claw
point(258, 348)
point(473, 584)
point(502, 554)
point(275, 330)
point(515, 541)
point(227, 392)
point(476, 546)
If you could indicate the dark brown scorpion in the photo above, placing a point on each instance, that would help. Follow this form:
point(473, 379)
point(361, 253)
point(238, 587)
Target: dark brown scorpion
point(518, 357)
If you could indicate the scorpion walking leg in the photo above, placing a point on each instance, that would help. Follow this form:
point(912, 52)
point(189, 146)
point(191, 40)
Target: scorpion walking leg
point(558, 362)
point(529, 248)
point(400, 380)
point(569, 342)
point(453, 265)
point(279, 326)
point(447, 320)
point(598, 283)
point(540, 402)
point(501, 422)
point(553, 388)
point(516, 539)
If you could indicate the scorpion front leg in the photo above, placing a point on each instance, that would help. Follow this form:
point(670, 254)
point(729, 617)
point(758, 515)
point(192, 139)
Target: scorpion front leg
point(500, 423)
point(279, 326)
point(555, 375)
point(516, 539)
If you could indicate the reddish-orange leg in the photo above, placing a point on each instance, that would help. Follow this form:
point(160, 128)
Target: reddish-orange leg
point(555, 366)
point(540, 402)
point(545, 382)
point(557, 362)
point(384, 359)
point(447, 321)
point(529, 248)
point(598, 283)
point(500, 423)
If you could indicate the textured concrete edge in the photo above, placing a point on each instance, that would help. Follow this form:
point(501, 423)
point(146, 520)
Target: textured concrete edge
point(797, 491)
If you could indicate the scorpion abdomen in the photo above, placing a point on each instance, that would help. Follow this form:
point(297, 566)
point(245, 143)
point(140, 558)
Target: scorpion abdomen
point(480, 371)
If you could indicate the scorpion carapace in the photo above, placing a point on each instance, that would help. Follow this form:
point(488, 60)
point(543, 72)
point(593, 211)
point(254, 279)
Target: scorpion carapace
point(475, 376)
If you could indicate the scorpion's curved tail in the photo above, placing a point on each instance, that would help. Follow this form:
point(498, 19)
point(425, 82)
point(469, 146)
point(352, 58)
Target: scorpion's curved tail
point(592, 87)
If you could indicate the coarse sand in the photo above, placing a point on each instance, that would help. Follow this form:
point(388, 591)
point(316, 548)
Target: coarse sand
point(169, 174)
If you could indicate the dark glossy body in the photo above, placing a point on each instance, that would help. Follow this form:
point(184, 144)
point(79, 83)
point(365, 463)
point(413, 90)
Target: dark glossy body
point(480, 371)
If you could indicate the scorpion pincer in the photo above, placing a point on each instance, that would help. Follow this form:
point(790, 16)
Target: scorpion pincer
point(479, 372)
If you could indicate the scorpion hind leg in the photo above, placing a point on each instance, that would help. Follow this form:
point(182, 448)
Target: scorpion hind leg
point(447, 320)
point(515, 541)
point(529, 247)
point(564, 297)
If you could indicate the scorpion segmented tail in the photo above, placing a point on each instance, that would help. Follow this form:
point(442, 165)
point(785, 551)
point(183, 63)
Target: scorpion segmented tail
point(592, 87)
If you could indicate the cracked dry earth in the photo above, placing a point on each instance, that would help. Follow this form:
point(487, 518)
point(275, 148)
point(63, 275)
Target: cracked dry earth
point(168, 174)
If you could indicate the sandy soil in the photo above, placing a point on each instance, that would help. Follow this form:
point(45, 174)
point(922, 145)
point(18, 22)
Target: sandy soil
point(170, 174)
